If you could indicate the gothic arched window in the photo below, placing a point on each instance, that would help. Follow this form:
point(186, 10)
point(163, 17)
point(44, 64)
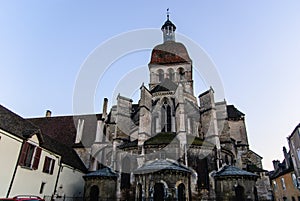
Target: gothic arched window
point(166, 120)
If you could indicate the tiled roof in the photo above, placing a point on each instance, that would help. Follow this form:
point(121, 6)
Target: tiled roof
point(169, 52)
point(166, 85)
point(158, 165)
point(68, 155)
point(104, 172)
point(63, 128)
point(234, 113)
point(24, 128)
point(16, 125)
point(231, 171)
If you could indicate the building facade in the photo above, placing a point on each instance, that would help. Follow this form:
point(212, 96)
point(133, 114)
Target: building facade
point(294, 144)
point(284, 180)
point(169, 145)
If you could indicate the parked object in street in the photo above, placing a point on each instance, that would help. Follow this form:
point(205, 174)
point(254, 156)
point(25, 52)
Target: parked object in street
point(23, 198)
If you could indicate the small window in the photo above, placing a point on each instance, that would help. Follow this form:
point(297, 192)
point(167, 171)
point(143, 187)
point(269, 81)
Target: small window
point(30, 156)
point(42, 187)
point(275, 185)
point(298, 153)
point(48, 165)
point(283, 184)
point(294, 180)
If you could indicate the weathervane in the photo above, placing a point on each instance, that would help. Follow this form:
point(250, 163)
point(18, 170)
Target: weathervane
point(168, 13)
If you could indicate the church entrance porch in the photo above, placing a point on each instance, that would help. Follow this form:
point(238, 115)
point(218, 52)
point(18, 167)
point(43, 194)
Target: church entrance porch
point(162, 180)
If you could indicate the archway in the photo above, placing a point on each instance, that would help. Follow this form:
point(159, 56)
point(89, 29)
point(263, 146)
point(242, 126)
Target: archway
point(125, 175)
point(171, 74)
point(255, 194)
point(159, 192)
point(94, 193)
point(181, 192)
point(161, 75)
point(239, 193)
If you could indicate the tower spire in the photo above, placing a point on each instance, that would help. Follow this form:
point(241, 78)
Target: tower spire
point(168, 29)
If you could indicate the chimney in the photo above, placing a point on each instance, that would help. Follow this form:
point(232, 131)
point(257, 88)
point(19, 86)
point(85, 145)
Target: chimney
point(48, 113)
point(276, 164)
point(286, 157)
point(104, 110)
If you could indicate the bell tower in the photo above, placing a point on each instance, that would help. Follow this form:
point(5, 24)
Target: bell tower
point(168, 29)
point(170, 62)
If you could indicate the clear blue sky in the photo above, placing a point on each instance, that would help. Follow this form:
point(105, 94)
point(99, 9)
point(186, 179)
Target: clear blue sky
point(255, 46)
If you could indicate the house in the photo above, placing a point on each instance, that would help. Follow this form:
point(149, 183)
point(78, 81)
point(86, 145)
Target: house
point(294, 144)
point(283, 179)
point(35, 164)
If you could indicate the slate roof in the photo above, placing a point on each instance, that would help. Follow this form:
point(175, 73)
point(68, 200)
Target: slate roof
point(166, 85)
point(158, 165)
point(168, 23)
point(68, 155)
point(104, 172)
point(162, 138)
point(234, 113)
point(24, 129)
point(128, 144)
point(16, 125)
point(231, 171)
point(192, 140)
point(63, 128)
point(282, 169)
point(254, 168)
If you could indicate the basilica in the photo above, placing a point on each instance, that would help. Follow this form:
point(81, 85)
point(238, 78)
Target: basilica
point(171, 144)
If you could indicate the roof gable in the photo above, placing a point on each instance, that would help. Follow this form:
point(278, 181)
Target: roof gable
point(166, 85)
point(18, 126)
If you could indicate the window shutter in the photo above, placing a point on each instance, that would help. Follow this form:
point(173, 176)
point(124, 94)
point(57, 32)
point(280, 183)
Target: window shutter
point(52, 166)
point(46, 165)
point(23, 154)
point(36, 158)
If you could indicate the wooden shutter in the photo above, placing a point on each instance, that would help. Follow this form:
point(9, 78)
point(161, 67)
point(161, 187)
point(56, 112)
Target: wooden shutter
point(52, 166)
point(36, 158)
point(46, 164)
point(23, 154)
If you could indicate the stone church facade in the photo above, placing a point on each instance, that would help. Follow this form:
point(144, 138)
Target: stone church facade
point(166, 146)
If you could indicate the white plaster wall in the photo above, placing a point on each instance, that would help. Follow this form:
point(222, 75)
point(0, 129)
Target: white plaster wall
point(9, 152)
point(28, 181)
point(71, 181)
